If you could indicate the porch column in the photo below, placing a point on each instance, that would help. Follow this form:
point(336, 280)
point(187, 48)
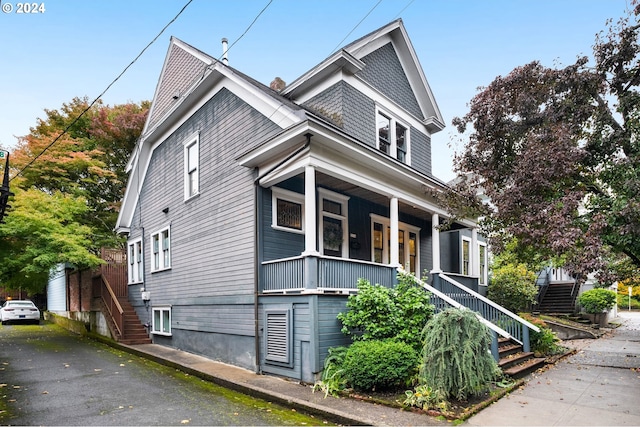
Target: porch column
point(394, 252)
point(435, 242)
point(475, 259)
point(310, 225)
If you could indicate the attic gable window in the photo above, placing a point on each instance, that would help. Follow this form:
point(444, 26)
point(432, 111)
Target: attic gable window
point(192, 167)
point(393, 137)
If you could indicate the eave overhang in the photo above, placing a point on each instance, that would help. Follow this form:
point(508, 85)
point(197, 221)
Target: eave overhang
point(334, 153)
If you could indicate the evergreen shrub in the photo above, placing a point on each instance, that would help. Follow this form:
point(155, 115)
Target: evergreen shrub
point(597, 300)
point(380, 365)
point(456, 355)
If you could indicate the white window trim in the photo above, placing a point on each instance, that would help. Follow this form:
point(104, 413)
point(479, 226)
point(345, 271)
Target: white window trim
point(393, 149)
point(161, 250)
point(470, 269)
point(131, 273)
point(193, 140)
point(290, 196)
point(407, 228)
point(159, 330)
point(486, 264)
point(323, 193)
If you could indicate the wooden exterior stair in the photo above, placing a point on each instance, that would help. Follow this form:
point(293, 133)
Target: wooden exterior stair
point(134, 331)
point(110, 288)
point(514, 361)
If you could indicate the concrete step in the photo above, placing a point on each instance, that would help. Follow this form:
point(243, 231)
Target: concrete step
point(522, 369)
point(514, 359)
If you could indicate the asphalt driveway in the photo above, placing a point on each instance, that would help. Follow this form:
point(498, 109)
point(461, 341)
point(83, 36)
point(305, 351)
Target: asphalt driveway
point(49, 376)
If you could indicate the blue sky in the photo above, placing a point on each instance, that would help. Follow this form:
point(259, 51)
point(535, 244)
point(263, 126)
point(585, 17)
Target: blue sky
point(77, 47)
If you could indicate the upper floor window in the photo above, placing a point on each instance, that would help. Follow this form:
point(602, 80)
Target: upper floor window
point(287, 210)
point(135, 260)
point(192, 167)
point(393, 137)
point(161, 250)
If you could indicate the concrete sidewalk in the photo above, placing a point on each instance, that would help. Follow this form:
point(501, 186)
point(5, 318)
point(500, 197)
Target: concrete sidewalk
point(289, 393)
point(598, 386)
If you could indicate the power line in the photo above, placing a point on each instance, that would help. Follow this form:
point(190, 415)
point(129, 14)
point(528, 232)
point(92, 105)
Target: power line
point(248, 28)
point(357, 25)
point(103, 92)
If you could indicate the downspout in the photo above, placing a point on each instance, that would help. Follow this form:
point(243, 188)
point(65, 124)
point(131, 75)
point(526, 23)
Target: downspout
point(256, 252)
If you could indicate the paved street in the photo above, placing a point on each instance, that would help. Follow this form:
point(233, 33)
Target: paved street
point(51, 377)
point(599, 385)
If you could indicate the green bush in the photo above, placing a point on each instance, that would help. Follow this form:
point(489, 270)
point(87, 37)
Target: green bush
point(379, 313)
point(513, 287)
point(456, 357)
point(598, 300)
point(379, 365)
point(623, 302)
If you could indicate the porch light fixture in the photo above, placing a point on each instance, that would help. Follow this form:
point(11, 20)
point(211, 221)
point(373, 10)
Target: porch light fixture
point(165, 210)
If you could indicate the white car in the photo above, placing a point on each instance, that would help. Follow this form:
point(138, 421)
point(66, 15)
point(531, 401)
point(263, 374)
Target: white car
point(19, 310)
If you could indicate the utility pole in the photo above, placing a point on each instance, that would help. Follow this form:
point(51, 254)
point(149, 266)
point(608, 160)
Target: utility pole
point(4, 189)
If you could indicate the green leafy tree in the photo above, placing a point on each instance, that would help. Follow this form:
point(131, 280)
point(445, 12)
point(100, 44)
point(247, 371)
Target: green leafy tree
point(68, 187)
point(42, 231)
point(88, 161)
point(557, 152)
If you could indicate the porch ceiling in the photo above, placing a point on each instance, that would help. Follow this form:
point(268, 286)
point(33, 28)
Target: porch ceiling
point(336, 184)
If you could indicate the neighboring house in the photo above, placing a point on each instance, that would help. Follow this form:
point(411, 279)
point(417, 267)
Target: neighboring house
point(251, 213)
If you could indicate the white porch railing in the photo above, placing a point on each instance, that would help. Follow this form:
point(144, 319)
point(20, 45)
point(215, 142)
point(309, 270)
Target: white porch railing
point(515, 326)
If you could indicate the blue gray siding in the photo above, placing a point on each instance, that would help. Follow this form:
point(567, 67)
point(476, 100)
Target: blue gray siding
point(277, 244)
point(211, 280)
point(348, 109)
point(384, 72)
point(420, 151)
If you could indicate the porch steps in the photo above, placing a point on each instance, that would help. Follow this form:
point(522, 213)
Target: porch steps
point(558, 299)
point(514, 361)
point(134, 330)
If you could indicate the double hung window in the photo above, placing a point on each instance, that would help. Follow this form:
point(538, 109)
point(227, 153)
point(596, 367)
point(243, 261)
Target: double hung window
point(466, 257)
point(161, 250)
point(393, 137)
point(135, 260)
point(192, 167)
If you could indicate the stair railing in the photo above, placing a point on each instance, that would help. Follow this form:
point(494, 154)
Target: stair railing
point(516, 327)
